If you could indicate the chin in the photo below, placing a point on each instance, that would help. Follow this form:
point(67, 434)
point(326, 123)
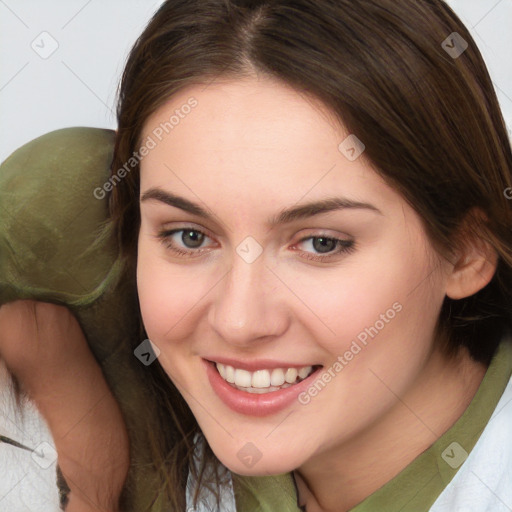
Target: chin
point(264, 466)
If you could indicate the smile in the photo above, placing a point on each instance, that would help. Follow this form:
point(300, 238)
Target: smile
point(261, 387)
point(264, 380)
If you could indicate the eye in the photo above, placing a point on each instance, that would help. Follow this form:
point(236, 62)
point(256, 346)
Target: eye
point(191, 240)
point(327, 247)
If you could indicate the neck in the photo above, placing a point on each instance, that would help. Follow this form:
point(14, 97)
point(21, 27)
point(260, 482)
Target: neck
point(340, 479)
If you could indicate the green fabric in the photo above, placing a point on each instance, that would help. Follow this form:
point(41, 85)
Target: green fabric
point(265, 493)
point(416, 487)
point(56, 246)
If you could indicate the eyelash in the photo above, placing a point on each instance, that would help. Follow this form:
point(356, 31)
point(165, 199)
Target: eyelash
point(344, 246)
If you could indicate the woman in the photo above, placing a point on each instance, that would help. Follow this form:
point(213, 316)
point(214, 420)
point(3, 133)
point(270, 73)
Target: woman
point(317, 223)
point(310, 197)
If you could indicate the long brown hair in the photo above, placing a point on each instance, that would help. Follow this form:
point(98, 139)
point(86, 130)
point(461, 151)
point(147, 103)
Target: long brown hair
point(429, 118)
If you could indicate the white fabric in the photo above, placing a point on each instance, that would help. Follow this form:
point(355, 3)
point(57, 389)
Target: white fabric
point(484, 482)
point(25, 485)
point(207, 502)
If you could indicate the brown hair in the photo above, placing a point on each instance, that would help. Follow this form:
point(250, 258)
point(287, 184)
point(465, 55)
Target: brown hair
point(430, 121)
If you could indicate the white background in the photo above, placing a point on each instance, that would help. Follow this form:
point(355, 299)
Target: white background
point(76, 86)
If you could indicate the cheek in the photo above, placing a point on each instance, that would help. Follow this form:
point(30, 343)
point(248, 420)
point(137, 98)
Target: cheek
point(382, 295)
point(170, 295)
point(339, 303)
point(161, 298)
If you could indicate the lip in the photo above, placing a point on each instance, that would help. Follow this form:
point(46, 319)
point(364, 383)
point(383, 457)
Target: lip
point(252, 404)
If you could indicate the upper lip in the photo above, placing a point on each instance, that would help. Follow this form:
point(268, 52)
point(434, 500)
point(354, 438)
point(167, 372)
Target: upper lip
point(257, 364)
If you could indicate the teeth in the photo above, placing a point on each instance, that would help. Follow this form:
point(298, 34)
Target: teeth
point(262, 381)
point(291, 375)
point(277, 377)
point(243, 378)
point(222, 370)
point(304, 372)
point(259, 391)
point(230, 374)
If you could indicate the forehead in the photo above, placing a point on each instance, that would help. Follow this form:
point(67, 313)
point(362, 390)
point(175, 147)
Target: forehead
point(253, 136)
point(249, 113)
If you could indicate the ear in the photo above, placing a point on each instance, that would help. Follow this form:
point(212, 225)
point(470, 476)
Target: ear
point(475, 260)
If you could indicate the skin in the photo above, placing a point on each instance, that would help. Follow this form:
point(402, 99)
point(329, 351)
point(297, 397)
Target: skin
point(249, 149)
point(44, 347)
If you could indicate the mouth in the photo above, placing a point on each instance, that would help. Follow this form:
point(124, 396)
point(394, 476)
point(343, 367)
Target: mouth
point(259, 388)
point(264, 380)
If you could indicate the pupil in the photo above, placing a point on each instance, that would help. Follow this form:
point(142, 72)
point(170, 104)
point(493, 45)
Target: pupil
point(325, 245)
point(192, 238)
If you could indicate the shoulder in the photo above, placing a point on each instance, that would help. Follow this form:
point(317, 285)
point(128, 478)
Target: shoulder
point(483, 481)
point(53, 229)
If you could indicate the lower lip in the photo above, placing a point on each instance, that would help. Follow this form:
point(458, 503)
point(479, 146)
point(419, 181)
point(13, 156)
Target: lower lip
point(253, 404)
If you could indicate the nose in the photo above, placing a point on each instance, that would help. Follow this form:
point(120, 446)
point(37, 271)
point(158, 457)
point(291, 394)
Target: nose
point(248, 305)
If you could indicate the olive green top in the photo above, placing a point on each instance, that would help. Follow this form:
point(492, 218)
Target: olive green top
point(56, 245)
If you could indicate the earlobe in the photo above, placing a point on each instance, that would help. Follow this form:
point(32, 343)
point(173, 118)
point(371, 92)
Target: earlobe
point(473, 271)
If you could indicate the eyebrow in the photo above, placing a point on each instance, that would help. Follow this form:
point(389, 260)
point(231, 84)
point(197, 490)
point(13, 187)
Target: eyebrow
point(288, 215)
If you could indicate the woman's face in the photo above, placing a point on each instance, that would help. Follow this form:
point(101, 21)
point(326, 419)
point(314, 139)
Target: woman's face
point(268, 246)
